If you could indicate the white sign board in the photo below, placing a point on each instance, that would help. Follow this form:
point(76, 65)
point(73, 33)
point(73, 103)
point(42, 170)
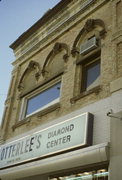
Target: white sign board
point(64, 136)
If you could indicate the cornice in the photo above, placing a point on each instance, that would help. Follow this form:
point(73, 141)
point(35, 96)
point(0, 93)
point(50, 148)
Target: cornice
point(71, 21)
point(46, 17)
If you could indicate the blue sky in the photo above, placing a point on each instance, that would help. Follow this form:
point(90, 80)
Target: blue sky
point(16, 16)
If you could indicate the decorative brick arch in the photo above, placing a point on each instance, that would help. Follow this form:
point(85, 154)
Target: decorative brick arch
point(58, 47)
point(31, 67)
point(89, 26)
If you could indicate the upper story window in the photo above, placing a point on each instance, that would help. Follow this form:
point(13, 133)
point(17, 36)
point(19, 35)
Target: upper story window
point(87, 50)
point(90, 64)
point(40, 84)
point(90, 72)
point(38, 101)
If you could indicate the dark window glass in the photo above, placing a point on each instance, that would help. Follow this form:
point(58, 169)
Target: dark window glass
point(92, 73)
point(43, 99)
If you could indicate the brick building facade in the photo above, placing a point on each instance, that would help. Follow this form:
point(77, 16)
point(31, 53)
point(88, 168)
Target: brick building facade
point(63, 112)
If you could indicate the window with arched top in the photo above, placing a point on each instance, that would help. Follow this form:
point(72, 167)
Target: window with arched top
point(87, 52)
point(40, 99)
point(37, 96)
point(56, 60)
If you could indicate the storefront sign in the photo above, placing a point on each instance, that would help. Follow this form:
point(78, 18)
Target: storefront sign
point(67, 135)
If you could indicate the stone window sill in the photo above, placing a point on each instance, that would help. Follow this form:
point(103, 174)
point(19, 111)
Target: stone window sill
point(95, 90)
point(20, 123)
point(38, 115)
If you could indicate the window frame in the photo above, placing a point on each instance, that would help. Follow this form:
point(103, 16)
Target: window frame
point(84, 68)
point(79, 91)
point(40, 90)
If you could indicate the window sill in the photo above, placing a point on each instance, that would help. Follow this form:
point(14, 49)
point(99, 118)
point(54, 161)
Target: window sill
point(95, 90)
point(48, 109)
point(20, 123)
point(39, 114)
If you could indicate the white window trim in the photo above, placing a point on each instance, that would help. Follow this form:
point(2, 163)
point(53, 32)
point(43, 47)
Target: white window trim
point(24, 100)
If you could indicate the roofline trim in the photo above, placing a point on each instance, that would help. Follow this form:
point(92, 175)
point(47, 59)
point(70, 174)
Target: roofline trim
point(46, 17)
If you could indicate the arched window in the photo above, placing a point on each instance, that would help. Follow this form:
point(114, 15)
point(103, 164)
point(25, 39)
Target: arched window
point(87, 52)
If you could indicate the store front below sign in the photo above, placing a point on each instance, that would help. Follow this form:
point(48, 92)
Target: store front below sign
point(100, 174)
point(91, 159)
point(57, 152)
